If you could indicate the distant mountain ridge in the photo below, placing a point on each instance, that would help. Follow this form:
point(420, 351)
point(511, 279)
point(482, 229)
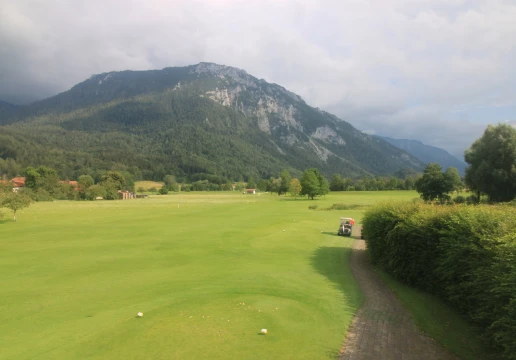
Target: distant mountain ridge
point(204, 118)
point(428, 153)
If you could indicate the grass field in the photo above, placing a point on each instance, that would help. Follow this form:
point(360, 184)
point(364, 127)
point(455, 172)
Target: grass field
point(207, 270)
point(148, 185)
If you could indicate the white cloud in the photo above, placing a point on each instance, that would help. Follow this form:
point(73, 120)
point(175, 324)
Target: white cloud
point(402, 68)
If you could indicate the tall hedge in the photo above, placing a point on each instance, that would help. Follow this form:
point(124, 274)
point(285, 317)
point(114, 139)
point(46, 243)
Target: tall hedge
point(466, 255)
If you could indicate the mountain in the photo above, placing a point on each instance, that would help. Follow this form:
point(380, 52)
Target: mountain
point(427, 153)
point(199, 119)
point(6, 109)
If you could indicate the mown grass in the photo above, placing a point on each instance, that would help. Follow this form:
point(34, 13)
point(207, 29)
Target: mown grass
point(438, 320)
point(207, 270)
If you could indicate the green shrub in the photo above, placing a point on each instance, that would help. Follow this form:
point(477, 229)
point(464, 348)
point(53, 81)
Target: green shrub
point(163, 190)
point(312, 207)
point(459, 199)
point(466, 255)
point(346, 207)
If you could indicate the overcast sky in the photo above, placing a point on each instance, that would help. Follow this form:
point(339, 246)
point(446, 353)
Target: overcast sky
point(437, 71)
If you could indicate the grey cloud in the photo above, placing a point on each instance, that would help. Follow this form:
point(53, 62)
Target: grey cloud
point(393, 67)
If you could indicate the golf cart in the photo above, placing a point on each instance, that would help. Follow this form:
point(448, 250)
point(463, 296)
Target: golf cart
point(346, 226)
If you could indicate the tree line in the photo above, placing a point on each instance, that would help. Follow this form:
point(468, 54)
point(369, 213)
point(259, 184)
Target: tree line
point(491, 170)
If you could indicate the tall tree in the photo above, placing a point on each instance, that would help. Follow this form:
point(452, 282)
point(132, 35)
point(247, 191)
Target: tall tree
point(452, 176)
point(285, 179)
point(262, 185)
point(313, 183)
point(309, 184)
point(250, 183)
point(31, 177)
point(324, 187)
point(15, 202)
point(85, 181)
point(273, 185)
point(492, 163)
point(113, 179)
point(336, 183)
point(433, 184)
point(294, 187)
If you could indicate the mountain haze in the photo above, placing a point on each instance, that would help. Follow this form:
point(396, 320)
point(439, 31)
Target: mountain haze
point(428, 153)
point(205, 118)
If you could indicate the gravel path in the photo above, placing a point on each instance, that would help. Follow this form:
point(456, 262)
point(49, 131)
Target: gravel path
point(382, 328)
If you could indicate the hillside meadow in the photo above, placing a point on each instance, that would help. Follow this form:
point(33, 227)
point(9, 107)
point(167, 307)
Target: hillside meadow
point(208, 271)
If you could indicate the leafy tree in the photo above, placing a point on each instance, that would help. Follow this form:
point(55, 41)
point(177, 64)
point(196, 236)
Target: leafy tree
point(492, 163)
point(111, 188)
point(129, 181)
point(15, 202)
point(273, 185)
point(313, 183)
point(228, 186)
point(31, 177)
point(309, 184)
point(113, 179)
point(453, 178)
point(163, 190)
point(250, 183)
point(336, 183)
point(294, 187)
point(95, 191)
point(262, 185)
point(433, 184)
point(324, 187)
point(285, 179)
point(45, 178)
point(85, 181)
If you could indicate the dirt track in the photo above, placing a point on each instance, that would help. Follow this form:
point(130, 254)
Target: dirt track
point(382, 328)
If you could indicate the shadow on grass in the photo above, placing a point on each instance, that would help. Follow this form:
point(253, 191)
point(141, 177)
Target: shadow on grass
point(333, 262)
point(300, 199)
point(330, 233)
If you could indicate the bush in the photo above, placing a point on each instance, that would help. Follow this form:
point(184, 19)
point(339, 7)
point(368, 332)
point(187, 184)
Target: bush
point(163, 190)
point(153, 189)
point(312, 207)
point(466, 255)
point(459, 199)
point(346, 207)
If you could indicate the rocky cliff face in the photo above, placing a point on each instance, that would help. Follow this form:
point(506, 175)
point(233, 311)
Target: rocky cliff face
point(286, 117)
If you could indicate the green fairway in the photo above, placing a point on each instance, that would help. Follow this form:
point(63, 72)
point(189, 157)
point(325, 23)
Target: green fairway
point(208, 271)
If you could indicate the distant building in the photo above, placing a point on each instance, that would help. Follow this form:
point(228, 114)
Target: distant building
point(18, 183)
point(125, 195)
point(250, 191)
point(74, 183)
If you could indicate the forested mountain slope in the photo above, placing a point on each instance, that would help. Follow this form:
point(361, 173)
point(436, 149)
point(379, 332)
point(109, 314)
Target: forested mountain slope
point(204, 118)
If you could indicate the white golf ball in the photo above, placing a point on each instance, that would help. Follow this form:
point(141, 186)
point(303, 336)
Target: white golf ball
point(140, 314)
point(264, 331)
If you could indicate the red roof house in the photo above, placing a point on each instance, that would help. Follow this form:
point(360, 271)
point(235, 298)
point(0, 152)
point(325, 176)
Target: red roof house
point(18, 181)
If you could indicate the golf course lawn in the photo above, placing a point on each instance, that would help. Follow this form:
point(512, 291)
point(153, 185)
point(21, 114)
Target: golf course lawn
point(207, 275)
